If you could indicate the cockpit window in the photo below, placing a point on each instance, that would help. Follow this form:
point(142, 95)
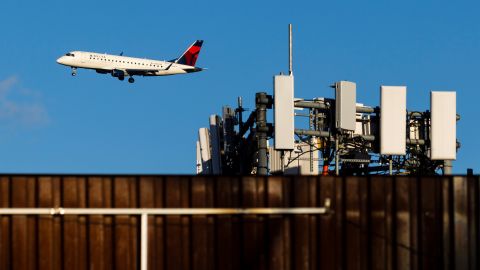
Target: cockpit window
point(70, 54)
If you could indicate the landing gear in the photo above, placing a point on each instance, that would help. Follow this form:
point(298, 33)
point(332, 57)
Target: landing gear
point(121, 78)
point(74, 71)
point(131, 80)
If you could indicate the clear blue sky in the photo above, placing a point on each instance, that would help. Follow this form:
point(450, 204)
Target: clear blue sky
point(51, 122)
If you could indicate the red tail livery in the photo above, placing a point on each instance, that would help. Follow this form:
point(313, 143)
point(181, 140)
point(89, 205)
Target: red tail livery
point(189, 57)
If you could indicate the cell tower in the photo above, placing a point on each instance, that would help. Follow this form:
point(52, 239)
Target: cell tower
point(343, 137)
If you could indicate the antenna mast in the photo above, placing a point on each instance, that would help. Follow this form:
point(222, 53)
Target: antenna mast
point(290, 66)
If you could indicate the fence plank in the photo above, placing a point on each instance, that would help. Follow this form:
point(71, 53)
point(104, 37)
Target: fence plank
point(159, 261)
point(301, 235)
point(96, 241)
point(313, 221)
point(403, 223)
point(46, 232)
point(5, 225)
point(473, 222)
point(329, 236)
point(276, 225)
point(199, 225)
point(353, 225)
point(224, 236)
point(122, 237)
point(460, 205)
point(71, 225)
point(20, 251)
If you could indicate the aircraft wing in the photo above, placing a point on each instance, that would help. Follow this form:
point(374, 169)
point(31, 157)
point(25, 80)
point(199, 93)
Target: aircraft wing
point(141, 71)
point(145, 71)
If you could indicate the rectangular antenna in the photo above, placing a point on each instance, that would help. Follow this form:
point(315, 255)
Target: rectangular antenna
point(393, 120)
point(283, 112)
point(205, 150)
point(199, 159)
point(444, 125)
point(345, 105)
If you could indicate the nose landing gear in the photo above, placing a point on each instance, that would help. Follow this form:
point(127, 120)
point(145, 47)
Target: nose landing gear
point(74, 71)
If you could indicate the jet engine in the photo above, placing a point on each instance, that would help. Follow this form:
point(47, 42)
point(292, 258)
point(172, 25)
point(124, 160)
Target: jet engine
point(119, 74)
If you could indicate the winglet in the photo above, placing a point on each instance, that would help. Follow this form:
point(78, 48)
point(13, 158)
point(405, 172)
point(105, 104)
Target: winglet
point(190, 56)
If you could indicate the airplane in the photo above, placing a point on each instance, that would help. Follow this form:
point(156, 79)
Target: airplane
point(120, 66)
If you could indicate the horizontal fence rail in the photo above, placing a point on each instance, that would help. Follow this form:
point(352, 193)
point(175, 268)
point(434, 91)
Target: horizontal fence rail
point(164, 211)
point(145, 212)
point(199, 222)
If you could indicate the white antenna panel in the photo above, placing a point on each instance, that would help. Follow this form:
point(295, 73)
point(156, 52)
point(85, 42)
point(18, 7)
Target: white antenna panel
point(199, 159)
point(205, 152)
point(393, 120)
point(443, 125)
point(345, 105)
point(284, 112)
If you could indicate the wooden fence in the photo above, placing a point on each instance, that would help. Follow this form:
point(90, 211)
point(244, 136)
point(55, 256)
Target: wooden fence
point(376, 223)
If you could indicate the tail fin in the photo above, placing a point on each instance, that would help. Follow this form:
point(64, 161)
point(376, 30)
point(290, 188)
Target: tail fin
point(189, 57)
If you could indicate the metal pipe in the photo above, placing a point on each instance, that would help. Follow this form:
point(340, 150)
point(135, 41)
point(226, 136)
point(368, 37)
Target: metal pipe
point(261, 102)
point(314, 105)
point(164, 211)
point(420, 114)
point(390, 166)
point(317, 133)
point(447, 167)
point(337, 158)
point(144, 242)
point(416, 141)
point(323, 106)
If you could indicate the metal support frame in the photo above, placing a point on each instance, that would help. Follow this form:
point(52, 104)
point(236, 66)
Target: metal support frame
point(145, 212)
point(370, 138)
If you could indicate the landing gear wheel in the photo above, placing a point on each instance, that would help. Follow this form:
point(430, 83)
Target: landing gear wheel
point(74, 72)
point(121, 78)
point(131, 80)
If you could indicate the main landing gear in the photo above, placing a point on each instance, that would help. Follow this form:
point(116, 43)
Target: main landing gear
point(74, 71)
point(131, 80)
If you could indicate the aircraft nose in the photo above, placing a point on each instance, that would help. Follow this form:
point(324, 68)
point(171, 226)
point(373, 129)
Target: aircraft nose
point(61, 60)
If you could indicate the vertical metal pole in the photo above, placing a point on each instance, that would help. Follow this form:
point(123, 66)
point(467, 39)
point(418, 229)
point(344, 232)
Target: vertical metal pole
point(313, 138)
point(290, 64)
point(337, 158)
point(447, 167)
point(390, 167)
point(261, 132)
point(240, 113)
point(144, 242)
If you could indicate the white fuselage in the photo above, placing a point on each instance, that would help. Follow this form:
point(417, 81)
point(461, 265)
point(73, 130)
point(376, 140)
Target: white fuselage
point(106, 63)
